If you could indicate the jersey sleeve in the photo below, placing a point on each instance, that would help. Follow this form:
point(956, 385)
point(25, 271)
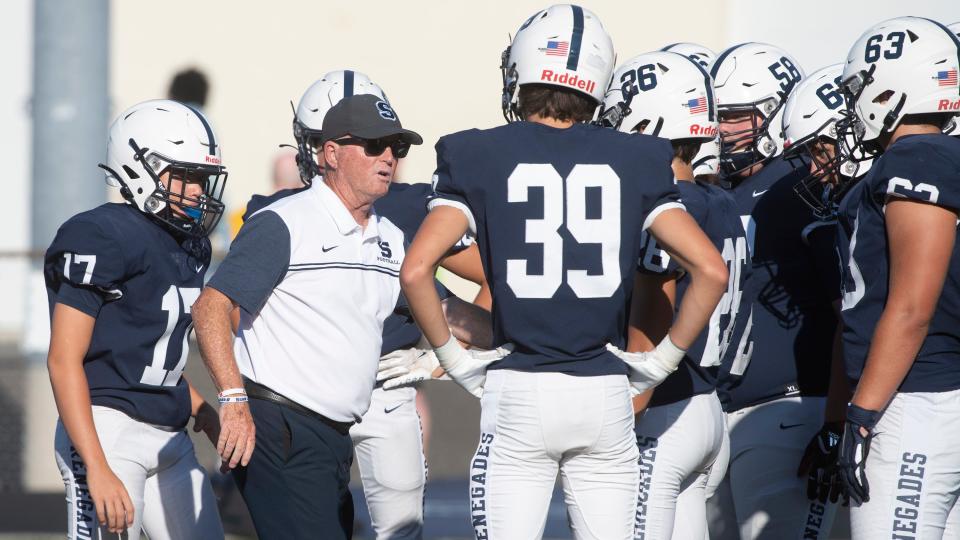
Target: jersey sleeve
point(662, 194)
point(653, 259)
point(447, 189)
point(920, 172)
point(85, 266)
point(257, 262)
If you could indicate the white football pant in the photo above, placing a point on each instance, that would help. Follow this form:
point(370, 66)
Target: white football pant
point(913, 470)
point(389, 452)
point(679, 443)
point(171, 494)
point(533, 425)
point(766, 444)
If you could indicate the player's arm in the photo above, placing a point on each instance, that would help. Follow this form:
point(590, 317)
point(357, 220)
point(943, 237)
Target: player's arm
point(212, 323)
point(205, 417)
point(467, 265)
point(440, 231)
point(651, 314)
point(469, 323)
point(916, 231)
point(70, 333)
point(680, 236)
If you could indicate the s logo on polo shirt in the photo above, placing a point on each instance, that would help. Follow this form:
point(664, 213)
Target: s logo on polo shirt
point(386, 253)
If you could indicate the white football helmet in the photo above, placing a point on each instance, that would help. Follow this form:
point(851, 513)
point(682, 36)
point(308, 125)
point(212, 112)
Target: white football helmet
point(666, 94)
point(316, 101)
point(160, 136)
point(953, 128)
point(753, 78)
point(698, 53)
point(564, 46)
point(902, 66)
point(812, 114)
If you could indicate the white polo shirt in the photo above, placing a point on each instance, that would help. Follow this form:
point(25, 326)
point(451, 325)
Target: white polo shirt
point(314, 288)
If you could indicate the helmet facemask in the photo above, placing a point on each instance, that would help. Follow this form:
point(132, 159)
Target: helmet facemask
point(196, 216)
point(737, 157)
point(306, 151)
point(509, 102)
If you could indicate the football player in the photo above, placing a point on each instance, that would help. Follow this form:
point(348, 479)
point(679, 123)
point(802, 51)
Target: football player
point(388, 441)
point(775, 402)
point(899, 462)
point(682, 429)
point(557, 206)
point(121, 279)
point(706, 164)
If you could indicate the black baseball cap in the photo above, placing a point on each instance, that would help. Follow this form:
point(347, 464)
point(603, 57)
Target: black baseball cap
point(365, 116)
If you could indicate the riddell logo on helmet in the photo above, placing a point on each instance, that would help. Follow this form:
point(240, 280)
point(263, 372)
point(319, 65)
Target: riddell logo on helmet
point(708, 131)
point(566, 79)
point(212, 159)
point(948, 105)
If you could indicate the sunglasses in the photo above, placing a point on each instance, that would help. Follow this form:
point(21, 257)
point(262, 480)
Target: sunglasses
point(376, 147)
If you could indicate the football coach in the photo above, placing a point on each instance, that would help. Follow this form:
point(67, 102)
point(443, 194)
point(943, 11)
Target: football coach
point(314, 275)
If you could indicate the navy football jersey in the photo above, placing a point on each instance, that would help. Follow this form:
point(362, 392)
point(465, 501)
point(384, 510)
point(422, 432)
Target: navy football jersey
point(405, 205)
point(139, 280)
point(557, 215)
point(716, 213)
point(924, 168)
point(792, 285)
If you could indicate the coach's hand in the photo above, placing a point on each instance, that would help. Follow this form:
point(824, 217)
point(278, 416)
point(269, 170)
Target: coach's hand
point(110, 497)
point(854, 448)
point(648, 369)
point(237, 434)
point(819, 463)
point(406, 367)
point(469, 368)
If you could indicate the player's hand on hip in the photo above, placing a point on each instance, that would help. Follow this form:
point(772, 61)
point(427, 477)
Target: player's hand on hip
point(207, 420)
point(648, 369)
point(854, 449)
point(237, 434)
point(819, 463)
point(469, 368)
point(110, 497)
point(406, 367)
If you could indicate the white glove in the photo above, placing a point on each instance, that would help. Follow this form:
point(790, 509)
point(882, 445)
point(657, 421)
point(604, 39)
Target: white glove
point(406, 367)
point(468, 368)
point(648, 369)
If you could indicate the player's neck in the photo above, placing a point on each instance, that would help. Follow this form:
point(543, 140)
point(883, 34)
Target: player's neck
point(682, 171)
point(550, 121)
point(356, 204)
point(912, 129)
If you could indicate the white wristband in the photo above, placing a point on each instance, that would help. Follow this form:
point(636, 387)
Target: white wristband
point(232, 392)
point(449, 352)
point(232, 399)
point(668, 351)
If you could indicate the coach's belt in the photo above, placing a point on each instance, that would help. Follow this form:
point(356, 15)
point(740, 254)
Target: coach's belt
point(258, 391)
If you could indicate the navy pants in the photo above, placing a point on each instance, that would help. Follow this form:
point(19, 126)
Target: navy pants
point(296, 484)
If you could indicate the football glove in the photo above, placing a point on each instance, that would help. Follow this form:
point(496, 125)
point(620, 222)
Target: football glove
point(854, 448)
point(468, 368)
point(406, 367)
point(819, 463)
point(648, 369)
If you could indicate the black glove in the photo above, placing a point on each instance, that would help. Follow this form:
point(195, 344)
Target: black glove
point(819, 463)
point(854, 448)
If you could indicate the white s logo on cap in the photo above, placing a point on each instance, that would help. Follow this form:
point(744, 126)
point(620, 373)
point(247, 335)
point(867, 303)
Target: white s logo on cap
point(385, 111)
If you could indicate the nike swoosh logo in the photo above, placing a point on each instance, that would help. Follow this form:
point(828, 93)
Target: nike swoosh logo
point(389, 410)
point(759, 193)
point(199, 268)
point(326, 249)
point(788, 426)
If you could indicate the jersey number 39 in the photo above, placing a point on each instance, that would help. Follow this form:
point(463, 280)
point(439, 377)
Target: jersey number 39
point(567, 198)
